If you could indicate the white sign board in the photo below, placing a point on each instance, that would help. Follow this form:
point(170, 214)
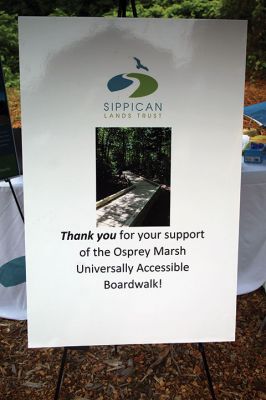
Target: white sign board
point(100, 90)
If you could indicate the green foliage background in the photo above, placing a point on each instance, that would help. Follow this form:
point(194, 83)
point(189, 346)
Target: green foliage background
point(252, 10)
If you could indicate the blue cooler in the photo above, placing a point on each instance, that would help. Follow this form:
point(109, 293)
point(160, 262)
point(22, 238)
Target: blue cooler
point(255, 153)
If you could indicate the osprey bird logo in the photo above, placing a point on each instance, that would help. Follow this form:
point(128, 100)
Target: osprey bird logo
point(139, 65)
point(147, 84)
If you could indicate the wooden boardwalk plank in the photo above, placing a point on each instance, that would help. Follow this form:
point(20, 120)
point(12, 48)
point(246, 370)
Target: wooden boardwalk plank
point(124, 210)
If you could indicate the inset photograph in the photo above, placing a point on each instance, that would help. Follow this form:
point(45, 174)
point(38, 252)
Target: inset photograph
point(133, 169)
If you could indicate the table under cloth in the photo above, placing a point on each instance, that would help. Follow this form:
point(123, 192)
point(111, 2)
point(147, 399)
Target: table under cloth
point(252, 228)
point(12, 298)
point(252, 237)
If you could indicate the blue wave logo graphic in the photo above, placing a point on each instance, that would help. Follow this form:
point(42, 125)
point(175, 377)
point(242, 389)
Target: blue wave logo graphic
point(13, 272)
point(118, 82)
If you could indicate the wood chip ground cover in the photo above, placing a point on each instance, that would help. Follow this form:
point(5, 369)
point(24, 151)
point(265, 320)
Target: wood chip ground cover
point(140, 372)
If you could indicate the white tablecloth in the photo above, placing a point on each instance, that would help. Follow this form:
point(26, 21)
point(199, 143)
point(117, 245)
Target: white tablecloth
point(252, 237)
point(12, 299)
point(252, 229)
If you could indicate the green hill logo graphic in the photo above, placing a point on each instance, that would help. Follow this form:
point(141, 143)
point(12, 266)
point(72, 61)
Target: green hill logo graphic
point(147, 84)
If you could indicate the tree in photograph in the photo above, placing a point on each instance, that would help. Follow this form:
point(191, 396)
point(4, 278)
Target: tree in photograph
point(144, 151)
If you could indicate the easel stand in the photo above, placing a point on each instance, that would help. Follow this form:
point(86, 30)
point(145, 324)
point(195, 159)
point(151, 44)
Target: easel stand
point(122, 8)
point(64, 360)
point(15, 198)
point(207, 371)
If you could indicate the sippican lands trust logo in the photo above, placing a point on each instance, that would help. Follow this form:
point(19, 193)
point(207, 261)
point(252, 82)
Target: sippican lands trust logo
point(136, 108)
point(147, 84)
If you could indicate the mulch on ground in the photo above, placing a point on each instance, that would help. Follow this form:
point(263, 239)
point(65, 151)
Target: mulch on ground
point(255, 92)
point(148, 372)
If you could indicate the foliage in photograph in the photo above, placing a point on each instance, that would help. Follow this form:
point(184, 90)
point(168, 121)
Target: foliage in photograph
point(144, 151)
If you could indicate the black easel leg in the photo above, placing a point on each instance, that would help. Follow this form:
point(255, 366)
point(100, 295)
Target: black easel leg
point(60, 375)
point(207, 371)
point(134, 10)
point(122, 8)
point(15, 198)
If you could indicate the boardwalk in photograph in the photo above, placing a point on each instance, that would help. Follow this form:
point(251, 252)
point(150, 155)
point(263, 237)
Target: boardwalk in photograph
point(129, 208)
